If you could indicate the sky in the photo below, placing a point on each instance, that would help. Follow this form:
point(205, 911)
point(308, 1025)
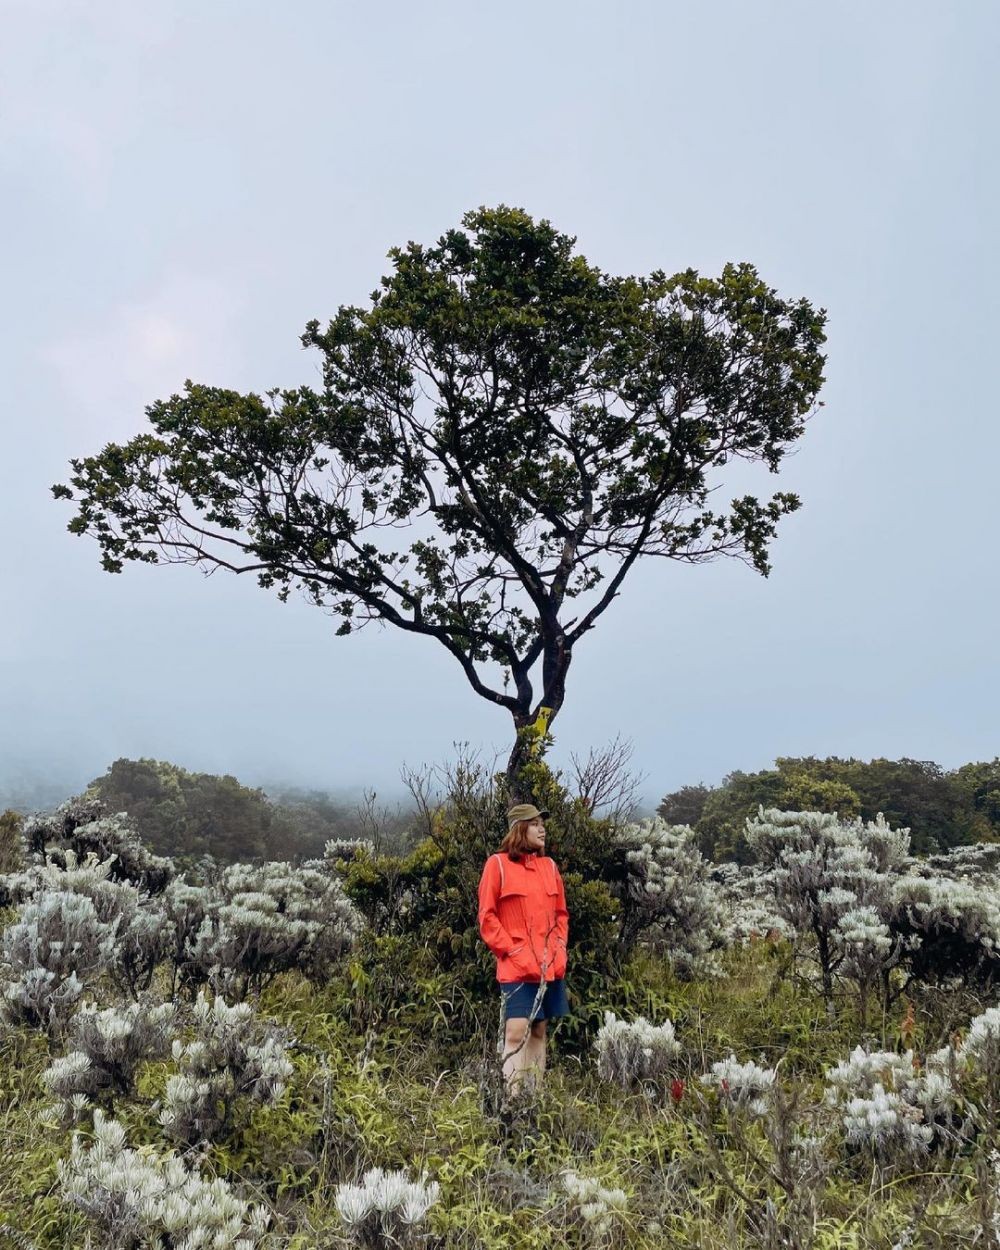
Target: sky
point(184, 185)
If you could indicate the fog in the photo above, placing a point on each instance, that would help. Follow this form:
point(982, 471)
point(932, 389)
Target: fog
point(184, 187)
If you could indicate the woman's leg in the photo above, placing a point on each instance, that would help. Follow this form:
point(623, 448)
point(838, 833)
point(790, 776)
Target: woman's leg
point(517, 1039)
point(535, 1050)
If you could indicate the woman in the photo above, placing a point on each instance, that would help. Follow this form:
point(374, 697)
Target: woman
point(524, 921)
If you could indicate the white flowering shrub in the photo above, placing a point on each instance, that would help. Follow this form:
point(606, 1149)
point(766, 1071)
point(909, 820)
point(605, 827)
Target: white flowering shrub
point(185, 907)
point(631, 1053)
point(142, 931)
point(137, 1199)
point(822, 869)
point(864, 1069)
point(386, 1209)
point(888, 847)
point(105, 1049)
point(40, 999)
point(668, 895)
point(949, 926)
point(884, 1123)
point(749, 907)
point(981, 1045)
point(741, 1086)
point(864, 938)
point(56, 944)
point(890, 1105)
point(261, 920)
point(84, 827)
point(595, 1209)
point(979, 862)
point(866, 951)
point(233, 1061)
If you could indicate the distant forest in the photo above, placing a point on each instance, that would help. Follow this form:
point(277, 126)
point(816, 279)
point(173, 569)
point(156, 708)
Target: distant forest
point(189, 814)
point(941, 809)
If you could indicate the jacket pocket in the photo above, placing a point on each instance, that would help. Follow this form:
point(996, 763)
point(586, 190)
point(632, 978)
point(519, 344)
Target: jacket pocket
point(559, 963)
point(520, 963)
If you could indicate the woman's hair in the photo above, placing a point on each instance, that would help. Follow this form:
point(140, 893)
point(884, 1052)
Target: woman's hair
point(516, 841)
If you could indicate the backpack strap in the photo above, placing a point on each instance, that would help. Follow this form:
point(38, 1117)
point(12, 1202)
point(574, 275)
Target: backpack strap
point(499, 858)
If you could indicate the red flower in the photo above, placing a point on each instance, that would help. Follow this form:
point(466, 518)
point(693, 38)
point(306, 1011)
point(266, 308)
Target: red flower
point(677, 1089)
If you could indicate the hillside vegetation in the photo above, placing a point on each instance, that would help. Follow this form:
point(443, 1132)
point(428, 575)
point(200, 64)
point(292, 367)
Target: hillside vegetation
point(799, 1052)
point(941, 808)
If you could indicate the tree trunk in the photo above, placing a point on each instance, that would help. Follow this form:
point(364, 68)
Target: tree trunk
point(518, 789)
point(528, 744)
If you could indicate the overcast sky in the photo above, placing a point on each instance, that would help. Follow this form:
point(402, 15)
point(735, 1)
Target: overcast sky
point(185, 185)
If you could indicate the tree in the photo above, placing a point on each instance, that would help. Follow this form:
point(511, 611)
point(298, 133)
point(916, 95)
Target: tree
point(193, 814)
point(941, 809)
point(684, 806)
point(979, 785)
point(535, 425)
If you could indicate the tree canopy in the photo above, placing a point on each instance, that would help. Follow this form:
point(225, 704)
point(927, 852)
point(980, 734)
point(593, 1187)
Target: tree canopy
point(500, 435)
point(190, 814)
point(942, 809)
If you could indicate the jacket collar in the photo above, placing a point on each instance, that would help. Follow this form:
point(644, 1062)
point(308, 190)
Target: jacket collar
point(529, 861)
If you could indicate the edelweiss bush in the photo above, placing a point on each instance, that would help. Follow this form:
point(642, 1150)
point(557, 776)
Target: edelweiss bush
point(668, 895)
point(864, 1069)
point(749, 908)
point(262, 920)
point(185, 907)
point(56, 944)
point(142, 933)
point(892, 1106)
point(105, 1049)
point(138, 1199)
point(950, 927)
point(232, 1062)
point(742, 1086)
point(632, 1053)
point(982, 1041)
point(386, 1209)
point(596, 1209)
point(832, 881)
point(84, 827)
point(886, 1124)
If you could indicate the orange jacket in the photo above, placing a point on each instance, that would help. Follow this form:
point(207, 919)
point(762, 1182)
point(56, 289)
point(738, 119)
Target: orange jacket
point(523, 917)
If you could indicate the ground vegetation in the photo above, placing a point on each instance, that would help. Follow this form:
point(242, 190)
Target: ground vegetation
point(780, 1055)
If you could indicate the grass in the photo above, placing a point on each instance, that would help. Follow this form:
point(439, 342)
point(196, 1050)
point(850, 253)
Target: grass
point(420, 1099)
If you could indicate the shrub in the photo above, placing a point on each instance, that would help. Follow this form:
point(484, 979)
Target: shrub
point(886, 1124)
point(749, 907)
point(632, 1053)
point(105, 1049)
point(142, 1199)
point(232, 1062)
point(595, 1209)
point(56, 944)
point(668, 895)
point(142, 932)
point(950, 927)
point(822, 869)
point(262, 920)
point(84, 827)
point(890, 1106)
point(11, 844)
point(741, 1086)
point(185, 907)
point(386, 1209)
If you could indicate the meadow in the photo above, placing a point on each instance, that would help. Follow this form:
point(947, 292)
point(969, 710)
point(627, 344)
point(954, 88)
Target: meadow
point(801, 1052)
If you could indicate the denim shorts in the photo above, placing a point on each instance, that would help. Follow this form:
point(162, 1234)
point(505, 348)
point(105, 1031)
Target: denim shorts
point(517, 1000)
